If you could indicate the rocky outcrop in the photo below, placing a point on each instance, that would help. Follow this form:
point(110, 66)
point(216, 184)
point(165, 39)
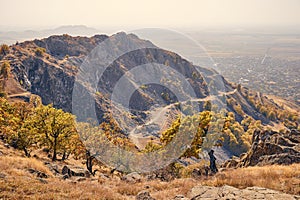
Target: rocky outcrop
point(75, 171)
point(270, 147)
point(230, 193)
point(38, 173)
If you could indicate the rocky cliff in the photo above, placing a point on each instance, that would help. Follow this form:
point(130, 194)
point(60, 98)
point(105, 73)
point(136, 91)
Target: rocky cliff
point(49, 68)
point(268, 148)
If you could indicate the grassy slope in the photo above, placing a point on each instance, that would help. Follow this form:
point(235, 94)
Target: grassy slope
point(18, 183)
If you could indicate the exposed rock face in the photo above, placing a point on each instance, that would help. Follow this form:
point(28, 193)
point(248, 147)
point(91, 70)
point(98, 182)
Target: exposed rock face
point(52, 75)
point(269, 147)
point(230, 193)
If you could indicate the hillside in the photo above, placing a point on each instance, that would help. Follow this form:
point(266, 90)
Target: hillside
point(36, 178)
point(39, 78)
point(52, 76)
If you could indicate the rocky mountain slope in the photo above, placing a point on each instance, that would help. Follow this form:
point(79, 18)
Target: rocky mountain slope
point(49, 68)
point(268, 148)
point(52, 75)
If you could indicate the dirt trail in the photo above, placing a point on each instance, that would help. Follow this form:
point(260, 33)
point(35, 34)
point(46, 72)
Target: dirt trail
point(158, 116)
point(19, 95)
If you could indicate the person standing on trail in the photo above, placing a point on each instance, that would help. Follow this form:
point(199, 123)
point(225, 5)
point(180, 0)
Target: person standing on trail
point(212, 162)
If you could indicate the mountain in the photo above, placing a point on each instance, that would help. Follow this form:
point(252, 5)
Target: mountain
point(95, 67)
point(11, 37)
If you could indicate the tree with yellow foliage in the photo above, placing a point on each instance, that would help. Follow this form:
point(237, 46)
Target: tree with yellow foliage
point(54, 127)
point(4, 75)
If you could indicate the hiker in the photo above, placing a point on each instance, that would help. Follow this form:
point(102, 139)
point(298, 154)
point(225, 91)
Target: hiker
point(212, 162)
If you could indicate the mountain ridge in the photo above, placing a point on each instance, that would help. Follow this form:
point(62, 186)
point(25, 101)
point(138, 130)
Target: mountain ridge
point(52, 75)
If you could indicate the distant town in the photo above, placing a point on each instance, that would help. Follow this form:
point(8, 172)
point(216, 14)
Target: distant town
point(274, 76)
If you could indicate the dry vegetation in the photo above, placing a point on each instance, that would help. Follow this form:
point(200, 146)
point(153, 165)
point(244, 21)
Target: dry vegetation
point(280, 178)
point(18, 183)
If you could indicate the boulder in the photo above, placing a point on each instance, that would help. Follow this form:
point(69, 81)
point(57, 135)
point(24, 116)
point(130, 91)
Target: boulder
point(200, 172)
point(53, 168)
point(133, 177)
point(39, 174)
point(66, 176)
point(75, 171)
point(144, 195)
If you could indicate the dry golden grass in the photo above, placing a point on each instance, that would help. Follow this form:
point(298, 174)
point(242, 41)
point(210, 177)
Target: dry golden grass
point(280, 178)
point(169, 190)
point(18, 164)
point(24, 187)
point(20, 184)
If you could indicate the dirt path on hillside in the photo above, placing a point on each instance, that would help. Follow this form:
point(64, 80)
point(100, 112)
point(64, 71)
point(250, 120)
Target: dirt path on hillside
point(158, 116)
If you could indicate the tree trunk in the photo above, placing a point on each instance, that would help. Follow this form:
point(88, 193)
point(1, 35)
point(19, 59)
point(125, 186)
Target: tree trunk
point(54, 157)
point(27, 154)
point(64, 157)
point(89, 162)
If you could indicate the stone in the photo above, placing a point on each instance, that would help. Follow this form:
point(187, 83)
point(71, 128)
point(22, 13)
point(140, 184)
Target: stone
point(231, 193)
point(133, 177)
point(39, 174)
point(66, 176)
point(144, 195)
point(180, 197)
point(80, 179)
point(75, 171)
point(53, 168)
point(2, 176)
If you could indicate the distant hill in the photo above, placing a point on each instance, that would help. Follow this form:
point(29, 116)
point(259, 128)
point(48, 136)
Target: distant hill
point(12, 37)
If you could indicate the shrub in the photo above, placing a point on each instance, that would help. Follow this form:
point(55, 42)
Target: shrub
point(4, 49)
point(40, 51)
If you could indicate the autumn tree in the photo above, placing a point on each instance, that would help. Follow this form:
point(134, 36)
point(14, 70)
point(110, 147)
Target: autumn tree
point(4, 49)
point(196, 125)
point(15, 125)
point(54, 126)
point(6, 116)
point(4, 74)
point(88, 139)
point(20, 135)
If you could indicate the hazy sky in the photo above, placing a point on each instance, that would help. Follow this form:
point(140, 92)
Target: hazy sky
point(149, 13)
